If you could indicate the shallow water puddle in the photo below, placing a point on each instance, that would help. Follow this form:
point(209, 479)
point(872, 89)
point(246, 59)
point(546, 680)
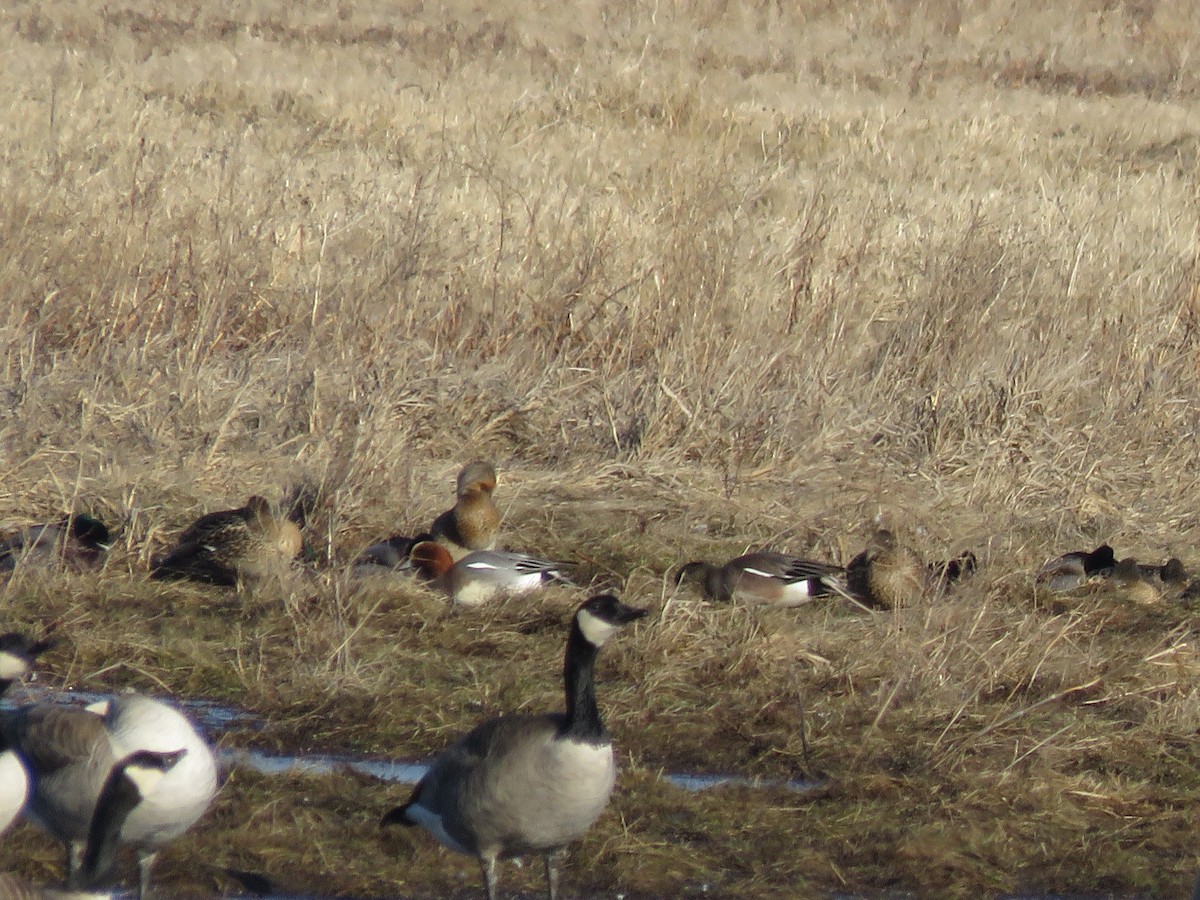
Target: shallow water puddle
point(406, 772)
point(217, 718)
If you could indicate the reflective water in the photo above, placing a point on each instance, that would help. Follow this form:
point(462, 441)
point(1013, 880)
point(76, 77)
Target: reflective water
point(218, 718)
point(407, 772)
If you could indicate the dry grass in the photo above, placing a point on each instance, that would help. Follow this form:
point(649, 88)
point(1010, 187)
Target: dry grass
point(699, 277)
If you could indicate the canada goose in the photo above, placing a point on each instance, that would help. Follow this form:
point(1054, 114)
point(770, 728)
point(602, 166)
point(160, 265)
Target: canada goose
point(76, 542)
point(17, 656)
point(887, 574)
point(764, 577)
point(473, 522)
point(481, 574)
point(69, 752)
point(130, 781)
point(1070, 570)
point(18, 653)
point(522, 784)
point(232, 545)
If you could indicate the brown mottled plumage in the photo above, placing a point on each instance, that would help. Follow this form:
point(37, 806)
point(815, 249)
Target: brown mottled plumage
point(1130, 583)
point(474, 521)
point(887, 574)
point(232, 545)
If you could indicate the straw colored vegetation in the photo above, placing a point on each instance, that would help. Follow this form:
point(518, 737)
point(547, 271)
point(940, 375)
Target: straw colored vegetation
point(699, 277)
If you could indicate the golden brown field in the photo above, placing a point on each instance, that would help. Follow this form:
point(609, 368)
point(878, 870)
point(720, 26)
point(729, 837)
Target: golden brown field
point(699, 277)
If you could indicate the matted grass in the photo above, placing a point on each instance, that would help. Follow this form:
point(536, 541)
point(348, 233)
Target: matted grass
point(699, 277)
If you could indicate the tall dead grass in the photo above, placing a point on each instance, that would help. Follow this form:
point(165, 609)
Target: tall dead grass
point(699, 277)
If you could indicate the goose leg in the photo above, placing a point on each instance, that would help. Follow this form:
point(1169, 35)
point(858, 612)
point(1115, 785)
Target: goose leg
point(74, 858)
point(145, 861)
point(488, 865)
point(553, 865)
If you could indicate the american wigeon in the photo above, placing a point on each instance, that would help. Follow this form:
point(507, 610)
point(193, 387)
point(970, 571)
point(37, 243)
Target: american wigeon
point(527, 784)
point(1069, 571)
point(888, 574)
point(232, 545)
point(77, 542)
point(482, 574)
point(474, 521)
point(764, 577)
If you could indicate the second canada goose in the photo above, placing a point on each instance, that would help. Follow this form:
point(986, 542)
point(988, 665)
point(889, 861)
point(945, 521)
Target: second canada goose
point(129, 782)
point(232, 545)
point(77, 542)
point(473, 522)
point(764, 577)
point(522, 784)
point(17, 656)
point(70, 751)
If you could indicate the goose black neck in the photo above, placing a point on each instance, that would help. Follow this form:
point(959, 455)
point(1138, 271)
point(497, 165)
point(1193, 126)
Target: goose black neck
point(116, 801)
point(582, 721)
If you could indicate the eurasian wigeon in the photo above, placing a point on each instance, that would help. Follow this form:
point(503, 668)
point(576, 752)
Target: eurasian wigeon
point(482, 574)
point(388, 555)
point(950, 571)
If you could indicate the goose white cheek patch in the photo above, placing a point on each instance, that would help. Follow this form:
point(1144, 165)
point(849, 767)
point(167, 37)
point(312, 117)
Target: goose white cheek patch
point(595, 629)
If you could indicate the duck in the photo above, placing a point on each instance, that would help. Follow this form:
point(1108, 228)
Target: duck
point(474, 521)
point(232, 546)
point(69, 752)
point(528, 784)
point(389, 555)
point(887, 574)
point(1130, 581)
point(482, 574)
point(950, 571)
point(77, 543)
point(764, 577)
point(18, 653)
point(1172, 574)
point(1069, 571)
point(130, 781)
